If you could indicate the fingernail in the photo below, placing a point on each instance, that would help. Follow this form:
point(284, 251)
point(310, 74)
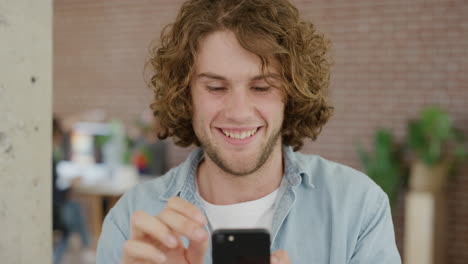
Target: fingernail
point(160, 258)
point(199, 234)
point(274, 259)
point(171, 241)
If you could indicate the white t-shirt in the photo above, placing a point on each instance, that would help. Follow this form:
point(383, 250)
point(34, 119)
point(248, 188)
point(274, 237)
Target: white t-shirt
point(252, 214)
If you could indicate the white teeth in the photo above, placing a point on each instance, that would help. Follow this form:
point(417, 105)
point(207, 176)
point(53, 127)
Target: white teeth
point(242, 135)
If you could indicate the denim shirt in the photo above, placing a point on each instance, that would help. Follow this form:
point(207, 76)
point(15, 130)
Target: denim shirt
point(325, 212)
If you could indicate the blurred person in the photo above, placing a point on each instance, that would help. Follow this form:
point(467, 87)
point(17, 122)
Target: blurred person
point(67, 214)
point(247, 82)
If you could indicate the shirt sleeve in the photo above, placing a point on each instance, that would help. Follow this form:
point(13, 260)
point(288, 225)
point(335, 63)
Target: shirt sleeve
point(376, 241)
point(110, 243)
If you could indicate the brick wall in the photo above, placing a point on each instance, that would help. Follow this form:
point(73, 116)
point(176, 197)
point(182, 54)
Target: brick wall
point(392, 58)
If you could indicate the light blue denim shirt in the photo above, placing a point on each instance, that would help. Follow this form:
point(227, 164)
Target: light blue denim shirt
point(325, 212)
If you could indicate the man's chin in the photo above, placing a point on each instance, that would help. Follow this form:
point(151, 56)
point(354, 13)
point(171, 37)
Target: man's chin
point(237, 164)
point(239, 169)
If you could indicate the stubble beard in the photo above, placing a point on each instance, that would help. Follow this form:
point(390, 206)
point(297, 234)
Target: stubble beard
point(223, 163)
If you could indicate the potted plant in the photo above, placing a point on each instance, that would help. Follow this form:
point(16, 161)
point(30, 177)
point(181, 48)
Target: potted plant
point(437, 147)
point(384, 166)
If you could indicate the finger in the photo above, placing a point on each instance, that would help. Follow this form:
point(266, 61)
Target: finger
point(183, 225)
point(280, 257)
point(196, 251)
point(185, 208)
point(139, 251)
point(145, 225)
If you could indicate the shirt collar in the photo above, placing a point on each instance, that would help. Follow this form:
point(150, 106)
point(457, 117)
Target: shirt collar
point(183, 183)
point(295, 170)
point(182, 178)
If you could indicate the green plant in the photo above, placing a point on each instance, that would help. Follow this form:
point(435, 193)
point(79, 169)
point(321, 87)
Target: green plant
point(101, 140)
point(433, 137)
point(384, 165)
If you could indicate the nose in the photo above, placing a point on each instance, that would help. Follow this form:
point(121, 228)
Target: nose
point(238, 106)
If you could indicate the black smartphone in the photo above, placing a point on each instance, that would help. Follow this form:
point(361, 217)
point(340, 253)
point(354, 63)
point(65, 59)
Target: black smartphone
point(241, 246)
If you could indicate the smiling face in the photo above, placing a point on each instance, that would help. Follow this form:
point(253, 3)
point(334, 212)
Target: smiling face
point(237, 111)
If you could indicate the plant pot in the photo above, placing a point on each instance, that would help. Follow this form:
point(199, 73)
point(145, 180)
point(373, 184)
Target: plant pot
point(426, 213)
point(426, 178)
point(425, 236)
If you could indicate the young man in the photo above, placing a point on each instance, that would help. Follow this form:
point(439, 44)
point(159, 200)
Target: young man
point(247, 82)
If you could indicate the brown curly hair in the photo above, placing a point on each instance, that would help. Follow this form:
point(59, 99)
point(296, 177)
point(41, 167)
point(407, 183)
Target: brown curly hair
point(267, 28)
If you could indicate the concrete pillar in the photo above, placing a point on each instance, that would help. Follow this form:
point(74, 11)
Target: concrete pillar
point(25, 131)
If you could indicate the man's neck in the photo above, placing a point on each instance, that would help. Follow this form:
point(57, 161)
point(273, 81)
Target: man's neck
point(219, 187)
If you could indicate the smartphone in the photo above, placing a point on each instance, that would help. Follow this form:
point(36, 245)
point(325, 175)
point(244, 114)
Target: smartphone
point(241, 246)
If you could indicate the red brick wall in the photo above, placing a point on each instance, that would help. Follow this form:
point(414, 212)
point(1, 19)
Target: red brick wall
point(392, 57)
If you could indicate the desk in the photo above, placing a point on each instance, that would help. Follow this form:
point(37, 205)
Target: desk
point(96, 193)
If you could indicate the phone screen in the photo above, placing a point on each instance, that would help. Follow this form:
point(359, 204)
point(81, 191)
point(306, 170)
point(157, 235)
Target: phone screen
point(241, 246)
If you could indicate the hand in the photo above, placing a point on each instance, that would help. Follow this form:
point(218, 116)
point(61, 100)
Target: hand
point(158, 239)
point(280, 257)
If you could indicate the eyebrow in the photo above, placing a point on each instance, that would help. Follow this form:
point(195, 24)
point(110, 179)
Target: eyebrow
point(219, 77)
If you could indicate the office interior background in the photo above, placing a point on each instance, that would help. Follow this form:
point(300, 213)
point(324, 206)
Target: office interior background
point(392, 58)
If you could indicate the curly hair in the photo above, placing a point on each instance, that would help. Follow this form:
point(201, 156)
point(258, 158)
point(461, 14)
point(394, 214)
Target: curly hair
point(267, 28)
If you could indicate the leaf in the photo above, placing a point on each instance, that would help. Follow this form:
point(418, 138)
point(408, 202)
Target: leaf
point(415, 138)
point(436, 123)
point(363, 157)
point(434, 153)
point(461, 153)
point(383, 143)
point(383, 166)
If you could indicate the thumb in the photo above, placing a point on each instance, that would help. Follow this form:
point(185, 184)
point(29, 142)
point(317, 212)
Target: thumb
point(280, 257)
point(196, 250)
